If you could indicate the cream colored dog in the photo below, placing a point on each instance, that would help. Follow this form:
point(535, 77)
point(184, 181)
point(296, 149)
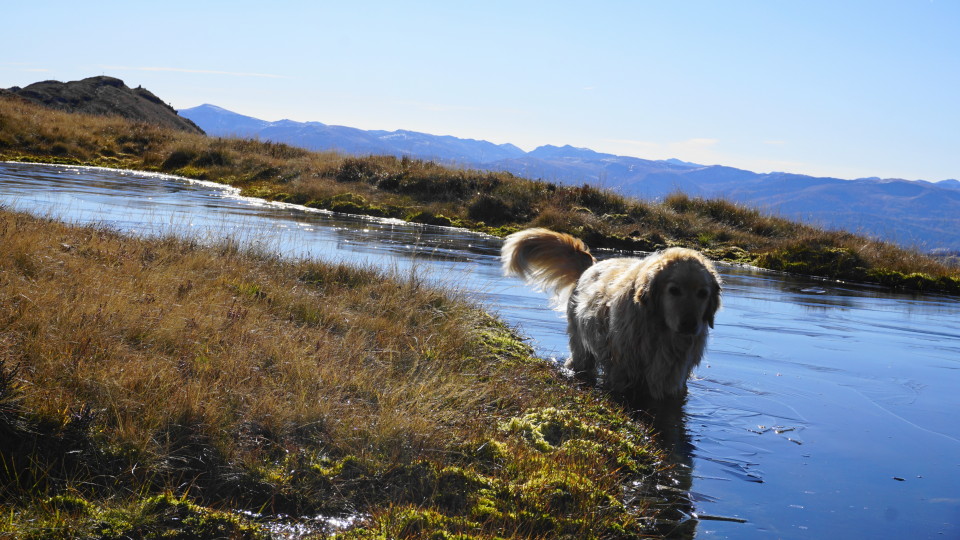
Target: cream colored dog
point(642, 323)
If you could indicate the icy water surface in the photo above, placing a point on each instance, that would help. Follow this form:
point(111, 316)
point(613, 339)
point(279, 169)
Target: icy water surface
point(821, 410)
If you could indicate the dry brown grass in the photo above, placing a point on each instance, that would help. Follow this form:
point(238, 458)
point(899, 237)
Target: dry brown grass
point(114, 321)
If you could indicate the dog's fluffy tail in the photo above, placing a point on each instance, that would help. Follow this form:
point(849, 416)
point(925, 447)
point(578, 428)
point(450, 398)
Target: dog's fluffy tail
point(551, 260)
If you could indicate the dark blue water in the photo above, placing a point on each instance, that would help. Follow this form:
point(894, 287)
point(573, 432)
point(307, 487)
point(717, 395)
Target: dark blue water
point(821, 410)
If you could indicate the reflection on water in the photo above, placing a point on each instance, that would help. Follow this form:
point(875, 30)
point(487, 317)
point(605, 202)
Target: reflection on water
point(821, 410)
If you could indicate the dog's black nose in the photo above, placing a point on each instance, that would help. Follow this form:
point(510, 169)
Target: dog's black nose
point(689, 327)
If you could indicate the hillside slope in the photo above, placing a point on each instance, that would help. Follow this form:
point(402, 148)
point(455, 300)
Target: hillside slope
point(105, 96)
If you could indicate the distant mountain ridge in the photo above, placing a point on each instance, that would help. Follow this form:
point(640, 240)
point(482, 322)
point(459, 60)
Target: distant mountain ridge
point(913, 213)
point(107, 96)
point(319, 136)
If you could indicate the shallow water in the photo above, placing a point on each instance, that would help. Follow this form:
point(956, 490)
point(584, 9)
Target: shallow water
point(821, 410)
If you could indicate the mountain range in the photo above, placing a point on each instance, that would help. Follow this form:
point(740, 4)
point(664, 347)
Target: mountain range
point(914, 213)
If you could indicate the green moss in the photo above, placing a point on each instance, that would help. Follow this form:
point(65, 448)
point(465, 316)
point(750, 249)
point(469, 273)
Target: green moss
point(948, 284)
point(552, 429)
point(500, 231)
point(262, 192)
point(349, 468)
point(249, 290)
point(172, 517)
point(502, 345)
point(292, 198)
point(536, 483)
point(71, 504)
point(350, 203)
point(706, 239)
point(844, 264)
point(487, 456)
point(827, 261)
point(429, 218)
point(732, 254)
point(197, 173)
point(559, 493)
point(160, 516)
point(350, 199)
point(546, 429)
point(413, 522)
point(41, 158)
point(915, 281)
point(458, 489)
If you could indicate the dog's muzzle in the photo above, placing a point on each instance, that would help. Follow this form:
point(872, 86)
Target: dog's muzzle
point(689, 327)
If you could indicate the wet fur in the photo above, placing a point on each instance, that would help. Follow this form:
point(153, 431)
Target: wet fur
point(641, 323)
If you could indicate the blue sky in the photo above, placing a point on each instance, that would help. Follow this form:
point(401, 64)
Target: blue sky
point(832, 88)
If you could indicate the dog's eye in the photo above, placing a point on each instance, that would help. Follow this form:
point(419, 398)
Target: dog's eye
point(674, 290)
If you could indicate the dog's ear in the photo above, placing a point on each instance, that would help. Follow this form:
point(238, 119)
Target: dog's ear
point(647, 290)
point(641, 293)
point(714, 303)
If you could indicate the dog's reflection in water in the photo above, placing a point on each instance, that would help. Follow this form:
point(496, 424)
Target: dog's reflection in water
point(667, 421)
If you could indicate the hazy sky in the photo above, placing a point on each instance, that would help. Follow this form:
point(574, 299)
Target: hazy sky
point(839, 88)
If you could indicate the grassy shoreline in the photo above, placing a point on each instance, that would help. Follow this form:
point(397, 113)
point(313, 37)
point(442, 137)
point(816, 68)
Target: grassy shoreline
point(492, 202)
point(159, 387)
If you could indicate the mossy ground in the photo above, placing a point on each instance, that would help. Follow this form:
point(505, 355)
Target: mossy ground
point(162, 388)
point(843, 263)
point(491, 202)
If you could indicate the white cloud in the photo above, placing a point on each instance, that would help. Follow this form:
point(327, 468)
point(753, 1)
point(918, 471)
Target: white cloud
point(640, 146)
point(24, 66)
point(437, 107)
point(698, 149)
point(697, 143)
point(706, 151)
point(197, 71)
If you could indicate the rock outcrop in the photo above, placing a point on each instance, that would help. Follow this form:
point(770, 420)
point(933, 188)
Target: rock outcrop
point(107, 96)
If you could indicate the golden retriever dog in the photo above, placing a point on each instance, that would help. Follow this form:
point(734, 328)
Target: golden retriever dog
point(640, 323)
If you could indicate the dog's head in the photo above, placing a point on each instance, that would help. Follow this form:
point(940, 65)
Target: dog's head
point(684, 288)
